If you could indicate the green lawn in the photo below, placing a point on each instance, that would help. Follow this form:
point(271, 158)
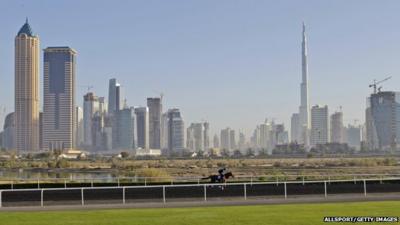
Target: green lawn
point(265, 214)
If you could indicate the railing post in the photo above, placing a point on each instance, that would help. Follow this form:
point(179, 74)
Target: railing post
point(245, 191)
point(118, 181)
point(164, 194)
point(205, 193)
point(284, 183)
point(329, 178)
point(326, 193)
point(365, 188)
point(41, 197)
point(82, 200)
point(145, 181)
point(65, 183)
point(303, 180)
point(123, 195)
point(91, 183)
point(198, 180)
point(1, 198)
point(277, 182)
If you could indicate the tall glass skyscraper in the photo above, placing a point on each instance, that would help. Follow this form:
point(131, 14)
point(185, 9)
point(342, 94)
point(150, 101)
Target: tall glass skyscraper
point(59, 98)
point(27, 89)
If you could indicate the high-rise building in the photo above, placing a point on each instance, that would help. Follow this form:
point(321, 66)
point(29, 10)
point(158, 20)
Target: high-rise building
point(226, 139)
point(337, 129)
point(27, 89)
point(232, 139)
point(295, 133)
point(142, 127)
point(216, 141)
point(319, 125)
point(304, 110)
point(9, 132)
point(125, 128)
point(206, 136)
point(195, 137)
point(79, 141)
point(353, 136)
point(385, 119)
point(155, 111)
point(176, 132)
point(264, 135)
point(164, 131)
point(114, 96)
point(59, 98)
point(90, 107)
point(242, 141)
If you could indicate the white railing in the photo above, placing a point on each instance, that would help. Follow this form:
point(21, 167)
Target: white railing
point(119, 181)
point(243, 192)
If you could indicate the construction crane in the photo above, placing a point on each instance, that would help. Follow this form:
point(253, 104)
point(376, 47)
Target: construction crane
point(86, 86)
point(374, 85)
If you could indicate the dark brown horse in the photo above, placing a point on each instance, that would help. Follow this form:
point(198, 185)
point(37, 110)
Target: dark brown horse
point(217, 179)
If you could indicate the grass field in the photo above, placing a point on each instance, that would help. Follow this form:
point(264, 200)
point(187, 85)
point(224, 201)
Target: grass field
point(232, 215)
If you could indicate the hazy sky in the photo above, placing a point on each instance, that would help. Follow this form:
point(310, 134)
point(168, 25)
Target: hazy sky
point(233, 63)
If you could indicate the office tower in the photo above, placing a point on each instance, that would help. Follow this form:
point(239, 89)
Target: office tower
point(264, 135)
point(176, 132)
point(353, 136)
point(114, 96)
point(27, 89)
point(164, 131)
point(206, 136)
point(242, 141)
point(59, 98)
point(319, 125)
point(142, 127)
point(79, 126)
point(385, 119)
point(371, 137)
point(108, 132)
point(232, 140)
point(337, 130)
point(103, 108)
point(295, 133)
point(97, 131)
point(155, 111)
point(226, 139)
point(9, 132)
point(90, 107)
point(280, 135)
point(216, 141)
point(195, 137)
point(125, 128)
point(255, 138)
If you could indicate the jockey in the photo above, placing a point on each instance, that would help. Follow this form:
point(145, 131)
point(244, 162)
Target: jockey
point(221, 173)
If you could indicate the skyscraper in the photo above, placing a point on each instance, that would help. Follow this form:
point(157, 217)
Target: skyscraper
point(9, 132)
point(319, 125)
point(155, 111)
point(79, 126)
point(295, 128)
point(90, 107)
point(142, 127)
point(385, 115)
point(176, 132)
point(114, 96)
point(337, 129)
point(27, 89)
point(216, 141)
point(59, 98)
point(304, 109)
point(125, 128)
point(195, 137)
point(226, 138)
point(206, 136)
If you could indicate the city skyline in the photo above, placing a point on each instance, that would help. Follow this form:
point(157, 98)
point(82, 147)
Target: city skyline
point(278, 103)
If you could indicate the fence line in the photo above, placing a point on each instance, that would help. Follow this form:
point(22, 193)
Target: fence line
point(165, 189)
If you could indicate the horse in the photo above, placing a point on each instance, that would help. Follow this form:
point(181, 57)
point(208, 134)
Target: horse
point(217, 179)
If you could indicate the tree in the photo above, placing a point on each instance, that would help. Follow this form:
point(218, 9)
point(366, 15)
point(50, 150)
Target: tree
point(250, 152)
point(124, 155)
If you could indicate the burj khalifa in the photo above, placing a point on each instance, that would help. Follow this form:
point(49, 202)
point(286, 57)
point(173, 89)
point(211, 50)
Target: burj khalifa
point(304, 109)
